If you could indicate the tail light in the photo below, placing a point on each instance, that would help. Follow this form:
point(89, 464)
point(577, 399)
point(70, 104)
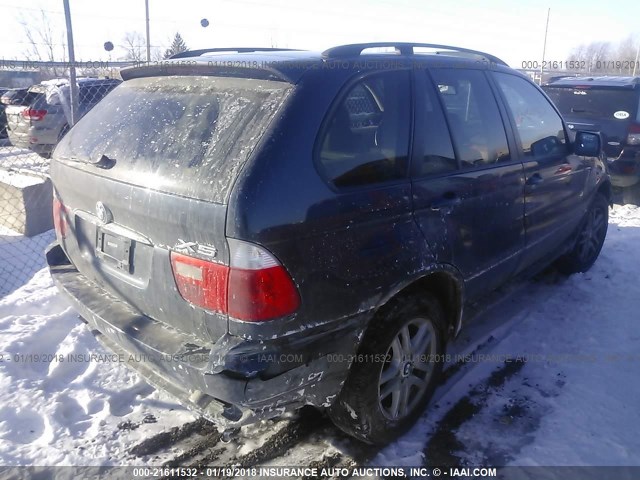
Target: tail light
point(259, 287)
point(59, 218)
point(253, 288)
point(634, 134)
point(33, 114)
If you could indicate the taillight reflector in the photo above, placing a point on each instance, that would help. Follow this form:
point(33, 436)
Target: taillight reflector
point(259, 295)
point(200, 282)
point(59, 218)
point(634, 134)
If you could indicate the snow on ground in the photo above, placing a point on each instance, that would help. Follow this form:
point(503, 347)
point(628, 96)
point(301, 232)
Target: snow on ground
point(67, 412)
point(20, 258)
point(571, 403)
point(575, 400)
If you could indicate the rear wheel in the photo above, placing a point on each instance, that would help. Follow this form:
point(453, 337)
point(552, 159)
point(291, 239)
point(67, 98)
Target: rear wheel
point(590, 239)
point(395, 373)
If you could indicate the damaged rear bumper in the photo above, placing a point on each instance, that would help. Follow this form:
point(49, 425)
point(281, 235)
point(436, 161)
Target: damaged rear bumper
point(219, 380)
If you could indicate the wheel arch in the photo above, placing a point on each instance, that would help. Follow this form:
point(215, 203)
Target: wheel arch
point(446, 284)
point(605, 189)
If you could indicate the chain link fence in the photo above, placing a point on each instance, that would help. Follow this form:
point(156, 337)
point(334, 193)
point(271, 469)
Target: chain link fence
point(34, 117)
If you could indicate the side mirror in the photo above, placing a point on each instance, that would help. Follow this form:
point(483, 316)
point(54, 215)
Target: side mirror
point(587, 144)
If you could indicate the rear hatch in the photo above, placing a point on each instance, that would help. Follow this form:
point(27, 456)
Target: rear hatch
point(148, 171)
point(608, 110)
point(14, 108)
point(22, 110)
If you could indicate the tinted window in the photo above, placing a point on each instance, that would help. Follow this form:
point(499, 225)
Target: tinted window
point(539, 126)
point(473, 116)
point(92, 93)
point(185, 135)
point(367, 138)
point(19, 97)
point(438, 156)
point(589, 102)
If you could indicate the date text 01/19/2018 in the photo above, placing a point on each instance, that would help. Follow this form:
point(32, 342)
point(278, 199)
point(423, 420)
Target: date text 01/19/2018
point(580, 65)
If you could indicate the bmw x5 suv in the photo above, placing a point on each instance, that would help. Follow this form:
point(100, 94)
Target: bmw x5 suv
point(270, 229)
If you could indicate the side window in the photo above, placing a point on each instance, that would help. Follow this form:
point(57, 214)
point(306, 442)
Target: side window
point(438, 156)
point(86, 94)
point(539, 126)
point(367, 139)
point(472, 112)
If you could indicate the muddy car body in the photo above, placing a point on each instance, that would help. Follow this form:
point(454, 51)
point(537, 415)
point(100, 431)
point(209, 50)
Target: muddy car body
point(274, 229)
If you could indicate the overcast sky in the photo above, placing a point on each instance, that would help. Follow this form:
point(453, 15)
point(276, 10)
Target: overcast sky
point(512, 30)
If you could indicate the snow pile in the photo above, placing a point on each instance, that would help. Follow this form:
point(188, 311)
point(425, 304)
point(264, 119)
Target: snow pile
point(57, 411)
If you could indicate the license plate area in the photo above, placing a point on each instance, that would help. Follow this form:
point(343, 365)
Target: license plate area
point(114, 250)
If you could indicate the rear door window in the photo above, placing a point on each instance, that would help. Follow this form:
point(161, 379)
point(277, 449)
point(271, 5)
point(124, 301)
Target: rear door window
point(473, 116)
point(367, 137)
point(437, 156)
point(186, 135)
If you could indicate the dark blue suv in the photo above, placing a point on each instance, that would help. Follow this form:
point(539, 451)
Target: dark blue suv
point(611, 107)
point(266, 229)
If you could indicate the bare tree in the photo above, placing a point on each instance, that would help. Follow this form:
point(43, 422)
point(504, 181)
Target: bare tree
point(626, 53)
point(45, 42)
point(134, 45)
point(607, 58)
point(600, 55)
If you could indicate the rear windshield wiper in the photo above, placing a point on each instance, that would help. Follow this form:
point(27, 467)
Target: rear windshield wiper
point(104, 162)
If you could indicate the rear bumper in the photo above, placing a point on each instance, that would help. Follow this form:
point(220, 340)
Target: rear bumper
point(38, 139)
point(198, 375)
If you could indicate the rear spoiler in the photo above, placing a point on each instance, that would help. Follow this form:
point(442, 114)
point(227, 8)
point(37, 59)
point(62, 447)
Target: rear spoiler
point(218, 67)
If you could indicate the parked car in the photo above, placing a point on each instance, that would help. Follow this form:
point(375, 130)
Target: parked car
point(13, 96)
point(611, 106)
point(40, 119)
point(271, 229)
point(9, 96)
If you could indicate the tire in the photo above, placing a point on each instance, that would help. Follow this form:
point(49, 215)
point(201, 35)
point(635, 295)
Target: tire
point(389, 369)
point(593, 232)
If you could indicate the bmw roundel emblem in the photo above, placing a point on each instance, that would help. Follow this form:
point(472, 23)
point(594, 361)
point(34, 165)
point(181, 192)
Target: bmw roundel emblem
point(103, 213)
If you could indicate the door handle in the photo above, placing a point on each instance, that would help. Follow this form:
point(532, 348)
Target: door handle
point(447, 200)
point(535, 179)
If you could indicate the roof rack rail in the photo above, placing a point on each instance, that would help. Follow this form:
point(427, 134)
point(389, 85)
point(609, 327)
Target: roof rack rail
point(197, 53)
point(404, 49)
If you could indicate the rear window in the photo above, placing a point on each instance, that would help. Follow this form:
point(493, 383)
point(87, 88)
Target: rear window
point(186, 135)
point(20, 97)
point(93, 93)
point(595, 103)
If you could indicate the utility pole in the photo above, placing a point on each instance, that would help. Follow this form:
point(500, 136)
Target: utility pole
point(635, 65)
point(146, 7)
point(544, 47)
point(73, 86)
